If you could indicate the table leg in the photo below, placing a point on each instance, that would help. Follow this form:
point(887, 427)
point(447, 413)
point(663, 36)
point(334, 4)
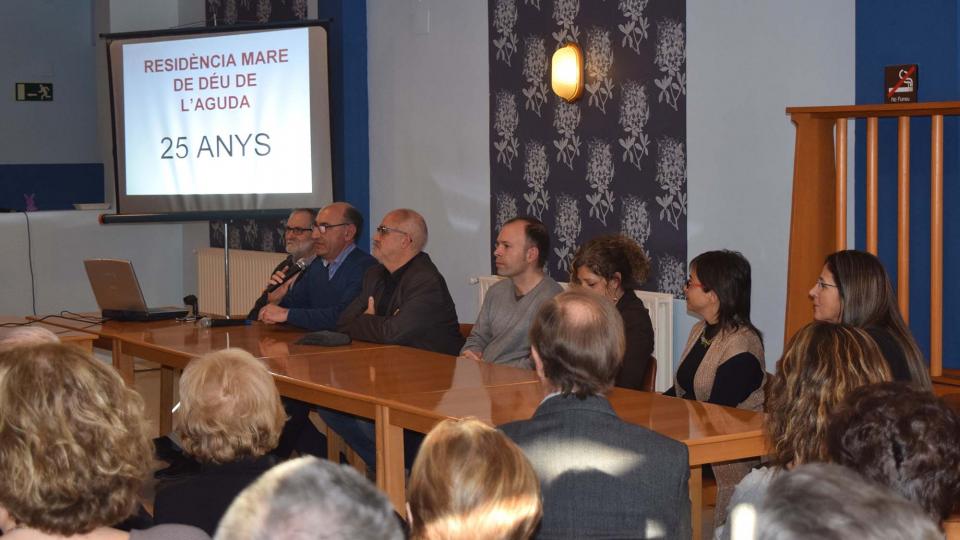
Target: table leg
point(390, 474)
point(122, 362)
point(166, 399)
point(696, 501)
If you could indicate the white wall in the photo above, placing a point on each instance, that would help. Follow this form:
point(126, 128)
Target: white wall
point(747, 61)
point(429, 126)
point(48, 41)
point(56, 40)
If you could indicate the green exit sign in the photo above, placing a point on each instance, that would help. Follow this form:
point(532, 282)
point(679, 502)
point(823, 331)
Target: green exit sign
point(34, 91)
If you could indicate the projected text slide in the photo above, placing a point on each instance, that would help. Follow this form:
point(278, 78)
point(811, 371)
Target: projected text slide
point(218, 115)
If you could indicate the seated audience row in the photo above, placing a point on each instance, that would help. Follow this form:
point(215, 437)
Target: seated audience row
point(74, 451)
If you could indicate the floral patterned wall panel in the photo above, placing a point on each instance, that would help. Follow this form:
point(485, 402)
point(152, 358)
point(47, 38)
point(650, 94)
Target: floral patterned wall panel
point(613, 161)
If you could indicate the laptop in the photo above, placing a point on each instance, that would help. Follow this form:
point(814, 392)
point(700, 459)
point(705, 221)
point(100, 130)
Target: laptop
point(118, 292)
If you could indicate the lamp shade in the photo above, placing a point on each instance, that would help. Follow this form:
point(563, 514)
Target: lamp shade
point(566, 72)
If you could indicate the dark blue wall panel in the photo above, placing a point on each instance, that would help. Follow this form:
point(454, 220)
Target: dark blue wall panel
point(50, 186)
point(926, 33)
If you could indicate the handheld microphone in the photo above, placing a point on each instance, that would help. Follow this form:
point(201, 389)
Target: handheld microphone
point(216, 323)
point(294, 270)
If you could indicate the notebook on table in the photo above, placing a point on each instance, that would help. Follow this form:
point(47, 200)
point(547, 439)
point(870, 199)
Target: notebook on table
point(118, 292)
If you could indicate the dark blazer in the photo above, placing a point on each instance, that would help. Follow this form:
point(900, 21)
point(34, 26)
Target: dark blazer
point(202, 498)
point(422, 313)
point(316, 301)
point(639, 334)
point(603, 477)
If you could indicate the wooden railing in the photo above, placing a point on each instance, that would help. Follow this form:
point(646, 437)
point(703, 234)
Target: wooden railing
point(818, 224)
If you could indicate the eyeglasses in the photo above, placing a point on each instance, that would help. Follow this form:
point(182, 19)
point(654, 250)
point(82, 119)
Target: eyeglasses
point(821, 284)
point(383, 230)
point(690, 283)
point(295, 230)
point(322, 227)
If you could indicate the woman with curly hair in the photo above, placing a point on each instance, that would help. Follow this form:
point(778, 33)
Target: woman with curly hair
point(822, 364)
point(74, 451)
point(853, 288)
point(230, 417)
point(903, 438)
point(613, 266)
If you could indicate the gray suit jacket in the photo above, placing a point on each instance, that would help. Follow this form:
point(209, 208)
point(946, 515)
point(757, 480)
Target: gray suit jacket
point(601, 477)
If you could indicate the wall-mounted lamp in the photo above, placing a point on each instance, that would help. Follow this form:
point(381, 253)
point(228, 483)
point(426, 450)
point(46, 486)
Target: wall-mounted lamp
point(566, 73)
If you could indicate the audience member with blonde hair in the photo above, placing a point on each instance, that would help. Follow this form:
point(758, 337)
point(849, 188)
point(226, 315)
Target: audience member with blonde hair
point(25, 335)
point(74, 451)
point(230, 417)
point(822, 363)
point(470, 481)
point(310, 499)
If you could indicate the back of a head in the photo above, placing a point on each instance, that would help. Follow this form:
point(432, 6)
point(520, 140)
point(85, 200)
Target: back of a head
point(727, 273)
point(74, 449)
point(823, 362)
point(903, 438)
point(610, 254)
point(20, 336)
point(829, 502)
point(867, 300)
point(229, 407)
point(310, 499)
point(471, 481)
point(579, 339)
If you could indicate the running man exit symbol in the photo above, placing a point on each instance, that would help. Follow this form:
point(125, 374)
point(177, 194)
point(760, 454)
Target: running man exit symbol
point(901, 83)
point(34, 91)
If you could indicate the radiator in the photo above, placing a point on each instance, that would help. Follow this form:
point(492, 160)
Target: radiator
point(249, 272)
point(660, 306)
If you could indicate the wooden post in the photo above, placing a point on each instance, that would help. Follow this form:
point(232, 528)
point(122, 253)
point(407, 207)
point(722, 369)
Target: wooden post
point(903, 216)
point(872, 183)
point(936, 246)
point(841, 186)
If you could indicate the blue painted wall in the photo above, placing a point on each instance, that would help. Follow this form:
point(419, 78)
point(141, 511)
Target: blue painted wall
point(925, 33)
point(348, 104)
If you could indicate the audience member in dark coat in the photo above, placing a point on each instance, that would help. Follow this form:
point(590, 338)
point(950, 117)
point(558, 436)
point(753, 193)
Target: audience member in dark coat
point(600, 476)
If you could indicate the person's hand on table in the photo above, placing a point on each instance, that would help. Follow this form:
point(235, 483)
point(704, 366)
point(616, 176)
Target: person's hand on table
point(273, 314)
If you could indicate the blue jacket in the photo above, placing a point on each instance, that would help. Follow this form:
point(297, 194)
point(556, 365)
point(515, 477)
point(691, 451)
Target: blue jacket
point(315, 302)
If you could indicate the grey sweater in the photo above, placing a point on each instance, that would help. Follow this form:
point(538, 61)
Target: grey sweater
point(500, 333)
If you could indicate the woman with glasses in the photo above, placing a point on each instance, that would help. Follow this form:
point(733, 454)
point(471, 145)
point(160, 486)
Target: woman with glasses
point(612, 266)
point(723, 360)
point(853, 288)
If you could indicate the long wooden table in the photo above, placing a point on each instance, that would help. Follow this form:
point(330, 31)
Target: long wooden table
point(403, 388)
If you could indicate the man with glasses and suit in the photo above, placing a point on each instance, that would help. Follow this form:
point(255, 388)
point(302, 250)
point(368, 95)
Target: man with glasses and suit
point(331, 281)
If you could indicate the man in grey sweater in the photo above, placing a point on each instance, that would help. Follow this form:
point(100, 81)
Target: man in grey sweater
point(500, 333)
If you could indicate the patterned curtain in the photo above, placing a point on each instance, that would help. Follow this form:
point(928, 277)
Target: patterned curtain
point(254, 234)
point(613, 161)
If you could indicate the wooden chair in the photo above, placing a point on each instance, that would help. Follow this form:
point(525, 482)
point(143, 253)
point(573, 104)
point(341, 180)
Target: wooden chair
point(465, 330)
point(649, 383)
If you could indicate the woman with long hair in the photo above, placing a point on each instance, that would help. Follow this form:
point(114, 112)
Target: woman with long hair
point(821, 365)
point(853, 288)
point(723, 360)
